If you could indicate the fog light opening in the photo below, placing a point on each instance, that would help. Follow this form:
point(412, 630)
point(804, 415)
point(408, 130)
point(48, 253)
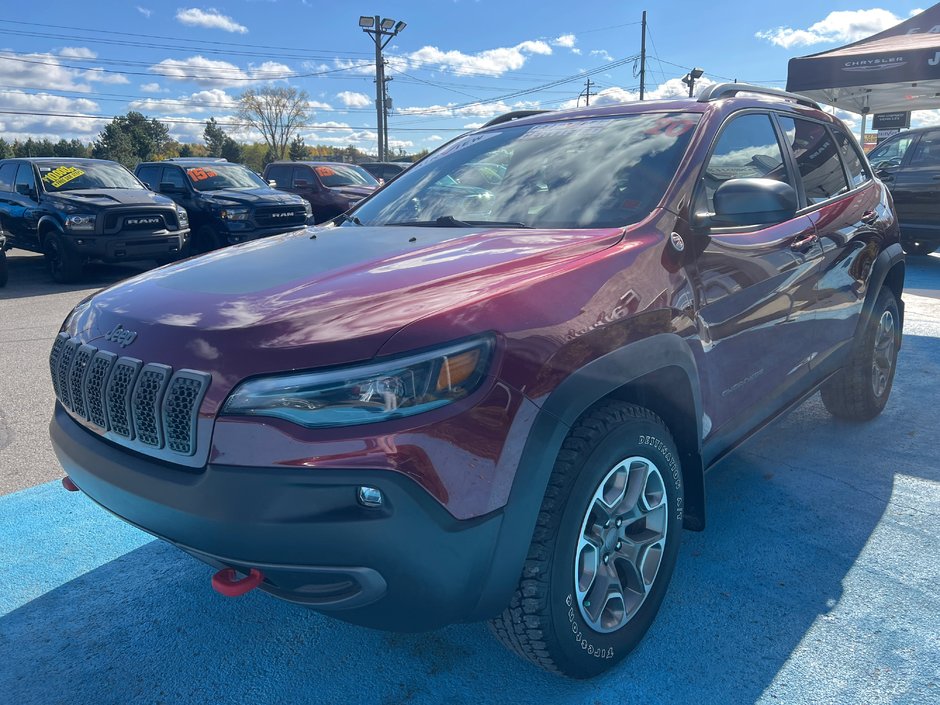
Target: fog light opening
point(370, 497)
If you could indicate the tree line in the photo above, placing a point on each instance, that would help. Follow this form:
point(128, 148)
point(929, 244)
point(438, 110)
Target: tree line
point(277, 113)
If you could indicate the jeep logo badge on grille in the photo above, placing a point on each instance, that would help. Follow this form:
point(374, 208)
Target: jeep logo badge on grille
point(120, 335)
point(153, 220)
point(287, 214)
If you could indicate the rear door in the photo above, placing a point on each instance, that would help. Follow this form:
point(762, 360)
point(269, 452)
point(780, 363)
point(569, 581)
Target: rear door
point(755, 286)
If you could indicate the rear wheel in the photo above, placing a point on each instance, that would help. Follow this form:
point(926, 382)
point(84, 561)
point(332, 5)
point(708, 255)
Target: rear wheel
point(63, 266)
point(860, 390)
point(604, 546)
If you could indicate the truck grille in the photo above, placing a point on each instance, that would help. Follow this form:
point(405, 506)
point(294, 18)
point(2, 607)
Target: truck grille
point(148, 221)
point(288, 215)
point(147, 406)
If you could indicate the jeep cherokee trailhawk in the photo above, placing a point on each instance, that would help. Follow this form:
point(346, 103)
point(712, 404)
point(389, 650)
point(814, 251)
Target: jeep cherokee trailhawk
point(495, 402)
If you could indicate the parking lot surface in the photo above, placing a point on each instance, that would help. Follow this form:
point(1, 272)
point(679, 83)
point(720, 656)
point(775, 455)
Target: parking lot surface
point(815, 581)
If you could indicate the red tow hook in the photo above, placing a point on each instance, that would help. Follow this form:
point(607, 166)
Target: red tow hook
point(226, 582)
point(68, 484)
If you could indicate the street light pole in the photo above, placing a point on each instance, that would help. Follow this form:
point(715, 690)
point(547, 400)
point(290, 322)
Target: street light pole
point(690, 78)
point(381, 29)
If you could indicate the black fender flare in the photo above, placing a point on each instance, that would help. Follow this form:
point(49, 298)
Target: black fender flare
point(47, 221)
point(582, 389)
point(884, 263)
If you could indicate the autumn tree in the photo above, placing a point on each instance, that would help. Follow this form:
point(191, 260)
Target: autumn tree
point(276, 112)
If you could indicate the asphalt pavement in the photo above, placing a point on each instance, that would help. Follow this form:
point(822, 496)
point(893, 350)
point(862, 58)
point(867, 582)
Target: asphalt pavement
point(816, 580)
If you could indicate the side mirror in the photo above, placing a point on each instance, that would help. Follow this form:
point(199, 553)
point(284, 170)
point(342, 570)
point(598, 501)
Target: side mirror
point(147, 185)
point(301, 183)
point(740, 202)
point(26, 190)
point(272, 183)
point(168, 187)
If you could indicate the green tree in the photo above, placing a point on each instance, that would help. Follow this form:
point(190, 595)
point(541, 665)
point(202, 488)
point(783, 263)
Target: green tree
point(219, 144)
point(276, 112)
point(132, 138)
point(6, 149)
point(298, 151)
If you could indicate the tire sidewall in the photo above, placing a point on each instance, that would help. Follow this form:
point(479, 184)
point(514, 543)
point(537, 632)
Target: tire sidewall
point(885, 302)
point(4, 272)
point(587, 651)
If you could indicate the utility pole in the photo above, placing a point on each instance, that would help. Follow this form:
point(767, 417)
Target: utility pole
point(643, 57)
point(586, 92)
point(381, 29)
point(386, 107)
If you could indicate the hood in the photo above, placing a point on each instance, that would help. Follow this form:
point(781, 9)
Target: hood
point(261, 196)
point(109, 197)
point(296, 302)
point(353, 191)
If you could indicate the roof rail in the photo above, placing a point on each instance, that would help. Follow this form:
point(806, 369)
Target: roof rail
point(196, 159)
point(726, 90)
point(514, 115)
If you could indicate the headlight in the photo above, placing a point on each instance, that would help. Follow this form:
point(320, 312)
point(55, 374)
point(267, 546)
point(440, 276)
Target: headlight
point(367, 393)
point(183, 217)
point(234, 214)
point(308, 211)
point(80, 222)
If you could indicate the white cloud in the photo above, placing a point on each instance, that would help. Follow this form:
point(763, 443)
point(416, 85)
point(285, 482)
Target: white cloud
point(152, 88)
point(213, 100)
point(210, 72)
point(47, 127)
point(210, 19)
point(841, 26)
point(450, 110)
point(145, 11)
point(602, 53)
point(77, 53)
point(673, 88)
point(46, 70)
point(435, 138)
point(490, 62)
point(352, 99)
point(565, 40)
point(473, 125)
point(318, 105)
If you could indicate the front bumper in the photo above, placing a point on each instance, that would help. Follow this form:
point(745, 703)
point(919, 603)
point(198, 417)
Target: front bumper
point(408, 565)
point(237, 232)
point(122, 246)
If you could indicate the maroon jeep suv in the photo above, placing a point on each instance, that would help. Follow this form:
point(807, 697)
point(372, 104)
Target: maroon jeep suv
point(461, 403)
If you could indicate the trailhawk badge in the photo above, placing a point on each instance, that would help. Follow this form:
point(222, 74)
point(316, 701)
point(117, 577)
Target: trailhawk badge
point(121, 335)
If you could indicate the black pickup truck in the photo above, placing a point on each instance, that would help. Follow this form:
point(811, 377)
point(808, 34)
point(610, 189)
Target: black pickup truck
point(76, 210)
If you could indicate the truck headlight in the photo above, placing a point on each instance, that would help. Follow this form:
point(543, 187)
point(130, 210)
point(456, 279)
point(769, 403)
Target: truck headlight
point(80, 223)
point(308, 211)
point(234, 214)
point(367, 393)
point(183, 217)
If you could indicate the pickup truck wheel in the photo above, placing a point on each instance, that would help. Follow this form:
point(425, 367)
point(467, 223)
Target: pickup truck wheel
point(4, 273)
point(63, 267)
point(604, 546)
point(859, 391)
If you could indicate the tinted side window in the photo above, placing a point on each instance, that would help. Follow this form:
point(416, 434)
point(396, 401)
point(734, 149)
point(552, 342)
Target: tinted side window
point(858, 172)
point(304, 173)
point(7, 172)
point(25, 177)
point(174, 175)
point(280, 175)
point(746, 149)
point(927, 151)
point(816, 158)
point(150, 175)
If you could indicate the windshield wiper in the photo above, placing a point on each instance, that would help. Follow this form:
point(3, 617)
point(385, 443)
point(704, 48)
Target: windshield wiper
point(449, 221)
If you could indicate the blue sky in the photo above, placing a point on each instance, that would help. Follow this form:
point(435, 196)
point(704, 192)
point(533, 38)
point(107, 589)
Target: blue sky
point(67, 67)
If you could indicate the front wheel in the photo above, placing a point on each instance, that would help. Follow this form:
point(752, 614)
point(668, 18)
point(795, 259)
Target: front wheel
point(4, 272)
point(859, 391)
point(604, 547)
point(205, 239)
point(63, 266)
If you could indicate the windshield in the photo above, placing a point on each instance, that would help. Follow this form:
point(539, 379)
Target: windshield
point(586, 173)
point(216, 176)
point(344, 175)
point(890, 153)
point(74, 176)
